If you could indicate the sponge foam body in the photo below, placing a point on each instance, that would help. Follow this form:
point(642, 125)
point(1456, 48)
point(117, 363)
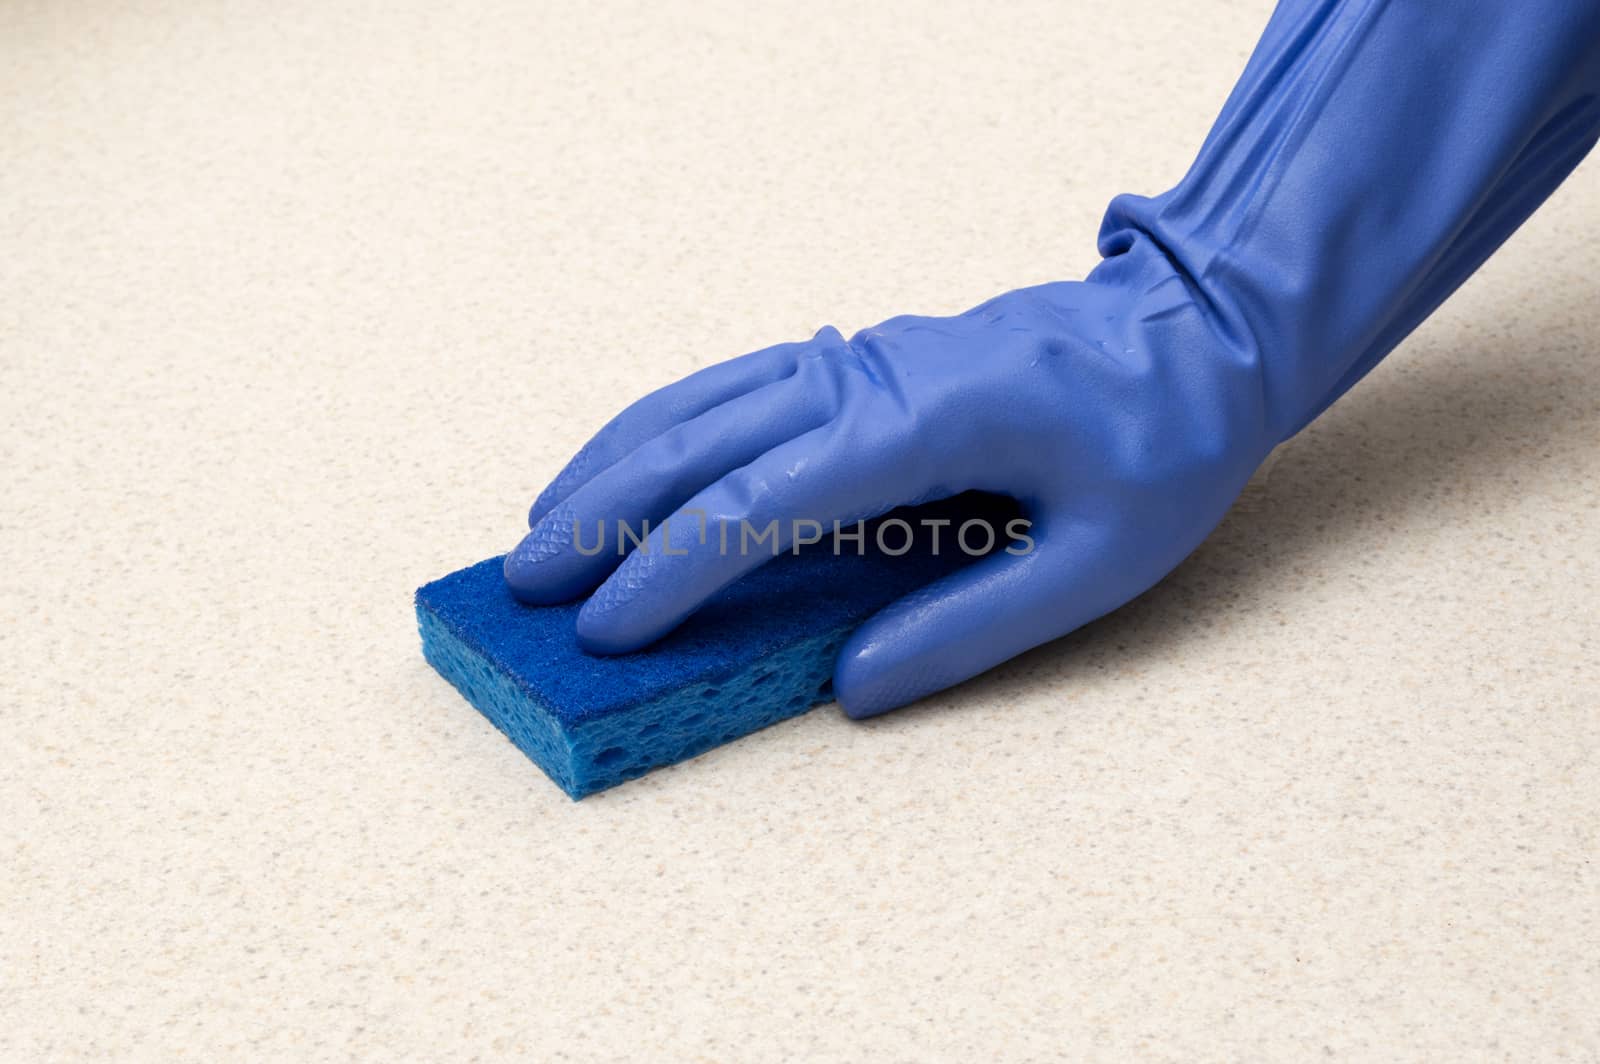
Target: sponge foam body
point(761, 651)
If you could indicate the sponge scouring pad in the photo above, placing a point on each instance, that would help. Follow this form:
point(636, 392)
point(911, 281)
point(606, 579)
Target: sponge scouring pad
point(759, 652)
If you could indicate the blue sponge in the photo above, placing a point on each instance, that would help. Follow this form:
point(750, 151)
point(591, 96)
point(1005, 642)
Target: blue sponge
point(761, 651)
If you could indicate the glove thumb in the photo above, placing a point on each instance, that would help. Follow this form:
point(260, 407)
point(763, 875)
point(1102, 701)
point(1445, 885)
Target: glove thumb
point(949, 631)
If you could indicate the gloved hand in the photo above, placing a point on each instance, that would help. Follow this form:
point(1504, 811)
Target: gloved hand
point(1372, 156)
point(1109, 409)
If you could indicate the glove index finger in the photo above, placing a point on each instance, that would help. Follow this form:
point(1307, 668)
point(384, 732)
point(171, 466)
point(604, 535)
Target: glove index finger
point(665, 409)
point(744, 520)
point(579, 542)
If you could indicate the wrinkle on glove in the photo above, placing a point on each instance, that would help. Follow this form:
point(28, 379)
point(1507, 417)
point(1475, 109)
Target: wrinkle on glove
point(1374, 153)
point(1372, 156)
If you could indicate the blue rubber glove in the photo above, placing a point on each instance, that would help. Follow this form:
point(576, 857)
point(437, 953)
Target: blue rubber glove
point(1372, 156)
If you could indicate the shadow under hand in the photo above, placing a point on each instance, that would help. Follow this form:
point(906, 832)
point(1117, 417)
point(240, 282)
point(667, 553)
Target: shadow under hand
point(1405, 445)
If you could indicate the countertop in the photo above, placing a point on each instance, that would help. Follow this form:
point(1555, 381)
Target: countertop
point(302, 303)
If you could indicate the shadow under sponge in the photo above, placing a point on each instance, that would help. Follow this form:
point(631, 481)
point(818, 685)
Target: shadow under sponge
point(759, 652)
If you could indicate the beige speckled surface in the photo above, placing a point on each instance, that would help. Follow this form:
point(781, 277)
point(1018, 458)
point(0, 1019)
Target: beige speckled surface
point(300, 303)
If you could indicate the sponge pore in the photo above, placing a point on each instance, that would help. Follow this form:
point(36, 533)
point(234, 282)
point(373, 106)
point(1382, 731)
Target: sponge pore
point(761, 651)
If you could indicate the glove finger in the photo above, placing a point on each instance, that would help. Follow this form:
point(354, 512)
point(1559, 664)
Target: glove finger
point(672, 405)
point(974, 619)
point(822, 476)
point(579, 542)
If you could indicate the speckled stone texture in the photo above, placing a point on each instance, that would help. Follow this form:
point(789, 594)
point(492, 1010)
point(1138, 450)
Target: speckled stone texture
point(302, 303)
